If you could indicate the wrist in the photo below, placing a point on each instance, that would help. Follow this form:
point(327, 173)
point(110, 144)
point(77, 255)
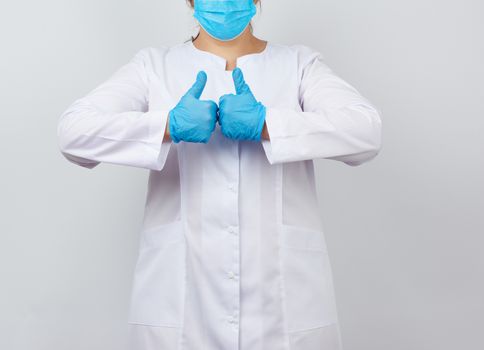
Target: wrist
point(167, 135)
point(265, 132)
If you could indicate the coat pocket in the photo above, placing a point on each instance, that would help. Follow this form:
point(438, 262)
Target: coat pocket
point(308, 284)
point(158, 283)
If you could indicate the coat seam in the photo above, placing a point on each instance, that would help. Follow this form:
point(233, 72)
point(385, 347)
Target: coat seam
point(310, 328)
point(279, 189)
point(122, 140)
point(154, 325)
point(185, 267)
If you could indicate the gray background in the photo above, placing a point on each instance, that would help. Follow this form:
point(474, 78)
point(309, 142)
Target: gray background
point(404, 232)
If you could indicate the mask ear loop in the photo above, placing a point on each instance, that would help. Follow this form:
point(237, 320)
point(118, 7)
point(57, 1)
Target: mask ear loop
point(192, 38)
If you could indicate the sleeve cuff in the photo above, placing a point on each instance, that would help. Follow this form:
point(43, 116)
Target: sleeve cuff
point(159, 148)
point(273, 124)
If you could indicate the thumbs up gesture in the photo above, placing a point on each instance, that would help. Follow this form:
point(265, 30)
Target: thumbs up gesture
point(241, 117)
point(193, 120)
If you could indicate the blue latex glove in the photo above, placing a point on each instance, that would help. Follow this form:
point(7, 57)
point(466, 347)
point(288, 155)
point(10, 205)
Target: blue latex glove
point(193, 120)
point(241, 117)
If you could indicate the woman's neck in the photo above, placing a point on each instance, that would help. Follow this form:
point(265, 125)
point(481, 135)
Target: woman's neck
point(244, 44)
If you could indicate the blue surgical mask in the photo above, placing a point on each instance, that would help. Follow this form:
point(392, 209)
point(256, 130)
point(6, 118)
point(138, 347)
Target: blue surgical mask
point(224, 19)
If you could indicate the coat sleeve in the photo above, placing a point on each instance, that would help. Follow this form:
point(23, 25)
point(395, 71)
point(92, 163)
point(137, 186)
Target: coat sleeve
point(112, 123)
point(335, 121)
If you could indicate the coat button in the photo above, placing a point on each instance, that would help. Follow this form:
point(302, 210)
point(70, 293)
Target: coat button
point(232, 188)
point(231, 229)
point(232, 275)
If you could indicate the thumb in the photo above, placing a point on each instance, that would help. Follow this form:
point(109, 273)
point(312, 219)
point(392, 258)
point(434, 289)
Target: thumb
point(197, 88)
point(241, 86)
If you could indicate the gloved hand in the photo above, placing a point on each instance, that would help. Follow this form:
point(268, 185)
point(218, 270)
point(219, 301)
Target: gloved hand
point(193, 120)
point(241, 117)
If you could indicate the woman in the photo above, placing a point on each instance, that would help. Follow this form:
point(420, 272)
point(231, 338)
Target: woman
point(232, 253)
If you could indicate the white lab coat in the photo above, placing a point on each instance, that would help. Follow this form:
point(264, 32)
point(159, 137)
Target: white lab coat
point(232, 253)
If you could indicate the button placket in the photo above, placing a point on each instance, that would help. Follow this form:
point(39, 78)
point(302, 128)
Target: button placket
point(233, 319)
point(231, 275)
point(232, 230)
point(232, 188)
